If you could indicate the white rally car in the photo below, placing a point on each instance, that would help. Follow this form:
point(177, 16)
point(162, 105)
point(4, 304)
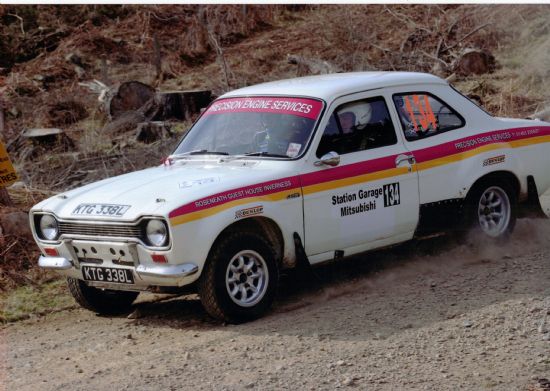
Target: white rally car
point(308, 169)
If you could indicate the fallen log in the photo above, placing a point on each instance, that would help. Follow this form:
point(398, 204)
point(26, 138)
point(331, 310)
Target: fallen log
point(123, 101)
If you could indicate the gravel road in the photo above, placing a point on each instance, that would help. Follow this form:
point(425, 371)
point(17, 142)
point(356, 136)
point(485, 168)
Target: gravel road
point(429, 315)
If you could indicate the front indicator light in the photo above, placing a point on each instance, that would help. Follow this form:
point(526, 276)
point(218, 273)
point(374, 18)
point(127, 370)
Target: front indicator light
point(51, 252)
point(159, 258)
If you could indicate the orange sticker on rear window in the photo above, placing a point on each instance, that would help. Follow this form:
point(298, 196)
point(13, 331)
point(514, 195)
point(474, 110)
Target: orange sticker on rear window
point(420, 112)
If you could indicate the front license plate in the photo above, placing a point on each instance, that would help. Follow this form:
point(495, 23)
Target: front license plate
point(108, 274)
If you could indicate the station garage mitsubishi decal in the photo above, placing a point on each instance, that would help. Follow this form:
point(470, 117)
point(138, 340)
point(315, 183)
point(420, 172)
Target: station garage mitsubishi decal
point(368, 199)
point(302, 107)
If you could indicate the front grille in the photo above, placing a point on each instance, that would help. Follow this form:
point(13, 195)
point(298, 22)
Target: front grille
point(103, 230)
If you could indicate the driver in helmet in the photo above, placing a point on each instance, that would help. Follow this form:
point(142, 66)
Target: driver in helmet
point(347, 121)
point(355, 116)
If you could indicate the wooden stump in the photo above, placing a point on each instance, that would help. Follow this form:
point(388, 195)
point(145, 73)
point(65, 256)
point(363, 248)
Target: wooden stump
point(148, 132)
point(181, 105)
point(476, 62)
point(48, 137)
point(129, 96)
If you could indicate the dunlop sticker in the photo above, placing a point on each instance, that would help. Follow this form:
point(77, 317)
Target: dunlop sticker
point(256, 210)
point(494, 160)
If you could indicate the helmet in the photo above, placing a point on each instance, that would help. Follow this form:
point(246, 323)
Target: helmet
point(362, 112)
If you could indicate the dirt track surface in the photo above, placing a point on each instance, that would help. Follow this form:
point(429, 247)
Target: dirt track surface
point(427, 315)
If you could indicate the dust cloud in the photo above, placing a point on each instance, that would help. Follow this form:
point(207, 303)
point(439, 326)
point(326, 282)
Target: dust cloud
point(423, 261)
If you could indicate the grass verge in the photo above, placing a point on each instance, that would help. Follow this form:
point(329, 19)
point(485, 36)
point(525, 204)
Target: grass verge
point(26, 301)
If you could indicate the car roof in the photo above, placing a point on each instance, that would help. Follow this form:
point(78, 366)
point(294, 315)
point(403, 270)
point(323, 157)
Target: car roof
point(333, 85)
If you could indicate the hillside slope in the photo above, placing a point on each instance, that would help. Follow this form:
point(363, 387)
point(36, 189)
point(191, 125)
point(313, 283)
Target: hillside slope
point(46, 51)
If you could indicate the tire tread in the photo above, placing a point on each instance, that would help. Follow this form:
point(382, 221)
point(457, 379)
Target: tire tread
point(207, 282)
point(102, 302)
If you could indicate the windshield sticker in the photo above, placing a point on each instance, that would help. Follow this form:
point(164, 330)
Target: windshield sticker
point(293, 149)
point(302, 107)
point(100, 210)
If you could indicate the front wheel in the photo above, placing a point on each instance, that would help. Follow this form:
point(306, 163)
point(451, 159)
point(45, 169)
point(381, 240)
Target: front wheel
point(240, 280)
point(491, 208)
point(105, 302)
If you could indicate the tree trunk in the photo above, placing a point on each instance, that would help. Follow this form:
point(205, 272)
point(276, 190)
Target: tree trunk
point(181, 105)
point(5, 199)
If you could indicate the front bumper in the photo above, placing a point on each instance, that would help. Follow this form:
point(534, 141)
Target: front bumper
point(147, 274)
point(171, 271)
point(54, 263)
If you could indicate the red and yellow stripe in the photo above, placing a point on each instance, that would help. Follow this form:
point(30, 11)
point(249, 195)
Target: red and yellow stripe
point(361, 172)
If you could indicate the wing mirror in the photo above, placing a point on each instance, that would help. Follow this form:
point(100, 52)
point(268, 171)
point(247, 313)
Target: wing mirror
point(330, 159)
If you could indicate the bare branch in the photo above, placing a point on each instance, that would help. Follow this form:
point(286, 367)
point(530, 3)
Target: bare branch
point(20, 22)
point(466, 36)
point(402, 17)
point(219, 54)
point(434, 57)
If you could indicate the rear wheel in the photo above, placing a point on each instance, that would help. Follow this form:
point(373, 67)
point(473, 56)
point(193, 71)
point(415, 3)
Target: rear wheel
point(240, 280)
point(105, 302)
point(491, 208)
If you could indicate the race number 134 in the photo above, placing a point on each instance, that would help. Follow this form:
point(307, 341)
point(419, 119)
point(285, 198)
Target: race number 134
point(391, 194)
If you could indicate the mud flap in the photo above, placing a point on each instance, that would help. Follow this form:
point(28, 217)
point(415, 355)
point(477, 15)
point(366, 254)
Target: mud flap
point(531, 208)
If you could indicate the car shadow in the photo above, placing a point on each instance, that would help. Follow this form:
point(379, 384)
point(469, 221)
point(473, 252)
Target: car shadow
point(377, 294)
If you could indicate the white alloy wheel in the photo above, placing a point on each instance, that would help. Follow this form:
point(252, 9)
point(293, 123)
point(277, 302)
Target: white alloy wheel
point(494, 211)
point(246, 278)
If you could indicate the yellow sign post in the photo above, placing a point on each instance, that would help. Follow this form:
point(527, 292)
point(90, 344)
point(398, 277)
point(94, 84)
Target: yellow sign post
point(7, 172)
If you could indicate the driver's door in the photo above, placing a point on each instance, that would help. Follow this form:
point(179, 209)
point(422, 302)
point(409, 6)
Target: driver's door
point(370, 198)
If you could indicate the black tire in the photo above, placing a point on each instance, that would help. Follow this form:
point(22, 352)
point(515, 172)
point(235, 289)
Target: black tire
point(105, 302)
point(472, 221)
point(213, 286)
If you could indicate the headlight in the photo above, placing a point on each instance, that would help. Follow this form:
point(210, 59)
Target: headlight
point(156, 233)
point(49, 230)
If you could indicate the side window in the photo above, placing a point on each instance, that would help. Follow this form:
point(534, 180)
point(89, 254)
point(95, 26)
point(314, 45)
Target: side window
point(423, 115)
point(357, 126)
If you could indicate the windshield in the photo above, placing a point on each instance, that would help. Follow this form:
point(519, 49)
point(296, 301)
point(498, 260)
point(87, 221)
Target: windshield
point(255, 126)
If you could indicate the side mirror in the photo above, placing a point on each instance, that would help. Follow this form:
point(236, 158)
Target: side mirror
point(330, 159)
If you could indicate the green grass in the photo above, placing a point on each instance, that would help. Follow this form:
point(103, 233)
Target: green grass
point(25, 301)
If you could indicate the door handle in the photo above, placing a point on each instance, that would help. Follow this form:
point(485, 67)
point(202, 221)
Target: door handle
point(404, 158)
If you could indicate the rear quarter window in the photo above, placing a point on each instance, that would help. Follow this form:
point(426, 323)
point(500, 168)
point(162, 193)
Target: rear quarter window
point(424, 115)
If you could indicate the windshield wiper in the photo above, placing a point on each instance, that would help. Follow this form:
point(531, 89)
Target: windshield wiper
point(207, 152)
point(250, 154)
point(268, 154)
